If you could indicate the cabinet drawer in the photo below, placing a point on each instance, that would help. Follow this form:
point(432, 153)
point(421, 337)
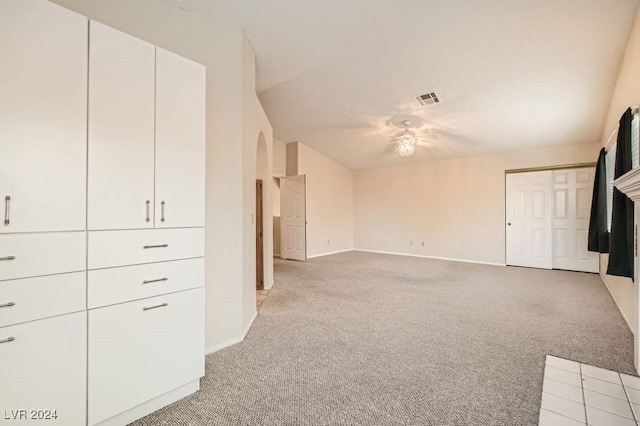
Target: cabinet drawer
point(117, 285)
point(119, 248)
point(45, 367)
point(32, 255)
point(41, 297)
point(136, 355)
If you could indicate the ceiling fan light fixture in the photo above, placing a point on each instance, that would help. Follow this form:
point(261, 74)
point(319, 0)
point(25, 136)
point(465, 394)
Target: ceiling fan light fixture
point(406, 147)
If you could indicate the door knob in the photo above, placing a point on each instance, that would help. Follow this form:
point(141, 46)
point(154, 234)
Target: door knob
point(509, 223)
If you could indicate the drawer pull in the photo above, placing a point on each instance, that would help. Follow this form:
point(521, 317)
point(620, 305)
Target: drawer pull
point(155, 307)
point(157, 246)
point(8, 305)
point(154, 281)
point(8, 339)
point(7, 258)
point(7, 201)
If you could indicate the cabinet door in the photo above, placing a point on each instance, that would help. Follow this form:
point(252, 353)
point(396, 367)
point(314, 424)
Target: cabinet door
point(143, 349)
point(43, 365)
point(180, 141)
point(43, 116)
point(121, 127)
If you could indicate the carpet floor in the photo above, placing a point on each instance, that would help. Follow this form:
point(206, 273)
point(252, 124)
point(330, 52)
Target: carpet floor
point(370, 339)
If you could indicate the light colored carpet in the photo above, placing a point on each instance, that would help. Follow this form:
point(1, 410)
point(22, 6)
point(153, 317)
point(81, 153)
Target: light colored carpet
point(369, 339)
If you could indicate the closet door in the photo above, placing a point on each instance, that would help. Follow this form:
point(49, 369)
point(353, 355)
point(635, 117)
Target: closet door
point(572, 191)
point(528, 214)
point(180, 144)
point(43, 98)
point(121, 130)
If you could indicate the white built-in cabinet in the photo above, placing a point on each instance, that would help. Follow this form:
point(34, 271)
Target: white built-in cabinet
point(146, 155)
point(102, 239)
point(43, 117)
point(43, 151)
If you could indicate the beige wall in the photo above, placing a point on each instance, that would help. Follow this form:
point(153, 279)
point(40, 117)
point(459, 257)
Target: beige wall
point(456, 207)
point(626, 94)
point(329, 202)
point(256, 131)
point(234, 117)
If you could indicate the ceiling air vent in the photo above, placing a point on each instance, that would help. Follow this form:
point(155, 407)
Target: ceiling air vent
point(427, 99)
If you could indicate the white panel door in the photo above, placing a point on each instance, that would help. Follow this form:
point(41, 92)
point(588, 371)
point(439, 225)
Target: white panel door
point(43, 365)
point(43, 115)
point(528, 214)
point(572, 191)
point(180, 141)
point(293, 218)
point(121, 130)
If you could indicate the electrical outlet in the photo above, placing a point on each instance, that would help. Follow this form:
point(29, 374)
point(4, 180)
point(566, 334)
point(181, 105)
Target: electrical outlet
point(410, 242)
point(423, 244)
point(328, 241)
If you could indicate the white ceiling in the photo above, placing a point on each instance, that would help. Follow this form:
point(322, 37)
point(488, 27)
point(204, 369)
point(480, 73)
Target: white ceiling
point(510, 74)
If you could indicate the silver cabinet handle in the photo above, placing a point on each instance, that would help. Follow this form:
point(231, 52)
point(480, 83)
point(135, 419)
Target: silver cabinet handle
point(154, 281)
point(8, 339)
point(155, 307)
point(148, 203)
point(7, 305)
point(162, 211)
point(7, 204)
point(156, 246)
point(7, 258)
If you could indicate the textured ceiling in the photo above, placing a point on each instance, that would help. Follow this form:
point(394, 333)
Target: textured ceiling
point(510, 74)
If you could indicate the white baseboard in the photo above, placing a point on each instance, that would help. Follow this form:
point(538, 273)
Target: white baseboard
point(615, 300)
point(249, 324)
point(235, 340)
point(433, 257)
point(223, 345)
point(330, 253)
point(155, 404)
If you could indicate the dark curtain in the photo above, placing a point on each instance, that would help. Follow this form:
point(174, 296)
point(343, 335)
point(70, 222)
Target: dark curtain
point(621, 239)
point(598, 232)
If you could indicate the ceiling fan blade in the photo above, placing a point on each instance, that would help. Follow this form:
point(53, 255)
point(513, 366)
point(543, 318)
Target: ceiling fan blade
point(392, 147)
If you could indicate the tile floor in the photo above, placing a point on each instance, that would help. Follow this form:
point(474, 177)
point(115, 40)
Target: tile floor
point(576, 394)
point(260, 296)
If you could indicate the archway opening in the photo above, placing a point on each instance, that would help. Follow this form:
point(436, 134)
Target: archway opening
point(262, 215)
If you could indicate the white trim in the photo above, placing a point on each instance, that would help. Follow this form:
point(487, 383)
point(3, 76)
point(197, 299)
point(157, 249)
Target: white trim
point(235, 340)
point(249, 324)
point(150, 406)
point(433, 257)
point(277, 255)
point(615, 299)
point(329, 253)
point(224, 345)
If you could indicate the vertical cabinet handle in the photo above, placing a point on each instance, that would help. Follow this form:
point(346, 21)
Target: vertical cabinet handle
point(148, 211)
point(162, 211)
point(7, 205)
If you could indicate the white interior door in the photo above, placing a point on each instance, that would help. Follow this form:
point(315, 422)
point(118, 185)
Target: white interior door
point(572, 191)
point(293, 218)
point(43, 117)
point(121, 130)
point(180, 144)
point(528, 214)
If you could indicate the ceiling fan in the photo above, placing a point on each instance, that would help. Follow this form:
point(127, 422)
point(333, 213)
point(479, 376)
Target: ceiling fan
point(406, 141)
